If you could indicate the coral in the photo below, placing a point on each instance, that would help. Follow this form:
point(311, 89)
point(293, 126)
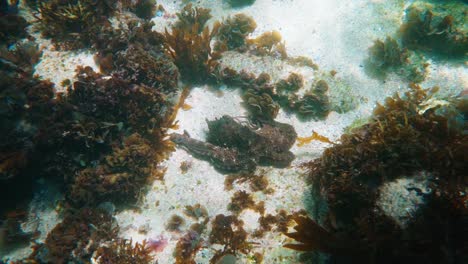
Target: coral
point(174, 223)
point(228, 231)
point(77, 237)
point(438, 28)
point(189, 44)
point(388, 56)
point(403, 138)
point(233, 32)
point(260, 105)
point(123, 251)
point(73, 24)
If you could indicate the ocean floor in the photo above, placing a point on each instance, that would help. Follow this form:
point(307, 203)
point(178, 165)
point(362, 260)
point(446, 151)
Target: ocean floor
point(336, 34)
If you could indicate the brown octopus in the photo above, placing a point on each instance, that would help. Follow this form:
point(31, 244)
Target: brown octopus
point(232, 146)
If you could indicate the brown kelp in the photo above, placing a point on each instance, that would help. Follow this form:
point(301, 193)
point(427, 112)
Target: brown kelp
point(233, 32)
point(189, 44)
point(405, 138)
point(438, 29)
point(73, 24)
point(135, 53)
point(388, 56)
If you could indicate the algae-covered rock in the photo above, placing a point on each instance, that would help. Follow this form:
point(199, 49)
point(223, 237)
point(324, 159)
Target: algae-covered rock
point(438, 28)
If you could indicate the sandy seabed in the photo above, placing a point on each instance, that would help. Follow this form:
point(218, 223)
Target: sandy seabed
point(336, 34)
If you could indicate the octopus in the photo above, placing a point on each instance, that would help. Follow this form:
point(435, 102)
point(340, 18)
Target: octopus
point(232, 146)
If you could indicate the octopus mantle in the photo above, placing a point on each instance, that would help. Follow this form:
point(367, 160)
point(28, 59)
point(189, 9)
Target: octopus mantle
point(232, 146)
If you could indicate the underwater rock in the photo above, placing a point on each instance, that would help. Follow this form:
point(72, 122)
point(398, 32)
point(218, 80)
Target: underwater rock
point(401, 140)
point(232, 146)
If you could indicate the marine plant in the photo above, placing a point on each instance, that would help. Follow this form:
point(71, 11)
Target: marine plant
point(404, 137)
point(240, 3)
point(292, 83)
point(73, 24)
point(135, 53)
point(241, 200)
point(189, 44)
point(189, 244)
point(124, 251)
point(25, 103)
point(315, 103)
point(228, 232)
point(438, 28)
point(77, 237)
point(267, 43)
point(260, 104)
point(387, 56)
point(233, 32)
point(12, 28)
point(144, 9)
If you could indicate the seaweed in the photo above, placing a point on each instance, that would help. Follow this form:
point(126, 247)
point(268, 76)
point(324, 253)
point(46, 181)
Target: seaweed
point(315, 136)
point(260, 105)
point(315, 103)
point(135, 53)
point(174, 223)
point(144, 9)
point(123, 251)
point(292, 83)
point(12, 28)
point(240, 3)
point(77, 237)
point(189, 244)
point(388, 56)
point(228, 231)
point(403, 139)
point(256, 182)
point(233, 32)
point(267, 43)
point(73, 24)
point(196, 211)
point(25, 104)
point(192, 19)
point(436, 31)
point(189, 44)
point(242, 200)
point(120, 176)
